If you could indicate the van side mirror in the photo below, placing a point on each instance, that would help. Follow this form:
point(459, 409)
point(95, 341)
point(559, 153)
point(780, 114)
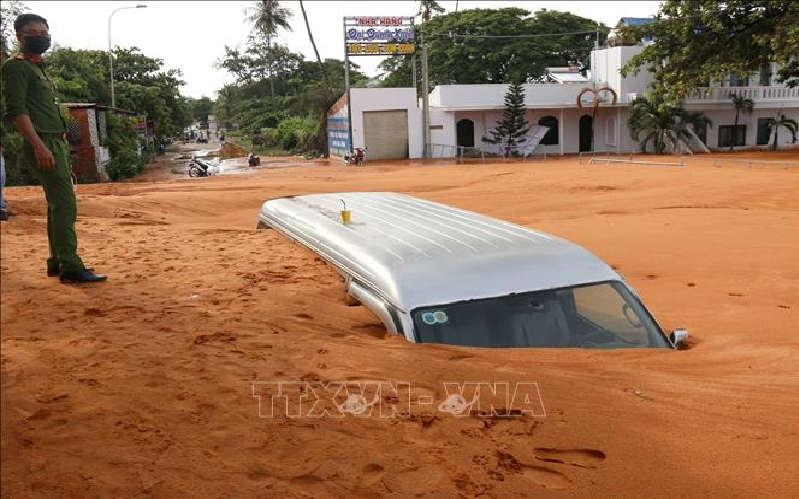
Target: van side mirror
point(678, 338)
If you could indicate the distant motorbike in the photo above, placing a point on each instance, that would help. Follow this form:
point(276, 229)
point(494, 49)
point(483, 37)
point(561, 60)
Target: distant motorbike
point(200, 168)
point(254, 160)
point(357, 158)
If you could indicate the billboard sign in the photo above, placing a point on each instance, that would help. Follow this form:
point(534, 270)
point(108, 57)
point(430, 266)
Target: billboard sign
point(338, 128)
point(386, 35)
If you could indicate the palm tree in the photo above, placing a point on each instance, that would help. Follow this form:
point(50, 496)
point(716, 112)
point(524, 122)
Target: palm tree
point(665, 126)
point(313, 44)
point(427, 9)
point(790, 124)
point(744, 104)
point(267, 17)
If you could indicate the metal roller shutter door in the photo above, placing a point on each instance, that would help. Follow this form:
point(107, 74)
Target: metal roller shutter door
point(386, 134)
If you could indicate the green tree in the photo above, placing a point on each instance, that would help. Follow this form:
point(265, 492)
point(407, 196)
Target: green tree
point(495, 46)
point(8, 13)
point(744, 104)
point(201, 108)
point(694, 41)
point(510, 131)
point(789, 124)
point(80, 75)
point(428, 8)
point(10, 139)
point(145, 86)
point(123, 142)
point(663, 125)
point(268, 17)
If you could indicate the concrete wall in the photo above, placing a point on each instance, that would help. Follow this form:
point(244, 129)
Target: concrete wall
point(387, 99)
point(488, 96)
point(607, 128)
point(720, 117)
point(606, 65)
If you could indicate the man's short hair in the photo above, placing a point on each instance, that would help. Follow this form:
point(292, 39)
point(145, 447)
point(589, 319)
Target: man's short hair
point(25, 19)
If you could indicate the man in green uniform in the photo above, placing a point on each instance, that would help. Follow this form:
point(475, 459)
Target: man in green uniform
point(32, 105)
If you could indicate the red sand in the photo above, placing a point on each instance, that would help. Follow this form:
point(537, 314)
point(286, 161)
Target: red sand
point(142, 386)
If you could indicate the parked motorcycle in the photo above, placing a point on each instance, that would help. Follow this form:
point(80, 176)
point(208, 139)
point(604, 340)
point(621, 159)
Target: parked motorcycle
point(200, 168)
point(357, 158)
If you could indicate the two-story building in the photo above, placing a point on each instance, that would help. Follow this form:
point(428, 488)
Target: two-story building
point(388, 121)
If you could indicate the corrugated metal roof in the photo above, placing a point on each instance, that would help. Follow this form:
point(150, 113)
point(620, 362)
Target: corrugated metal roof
point(415, 252)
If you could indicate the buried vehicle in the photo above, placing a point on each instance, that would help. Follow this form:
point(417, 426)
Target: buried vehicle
point(439, 274)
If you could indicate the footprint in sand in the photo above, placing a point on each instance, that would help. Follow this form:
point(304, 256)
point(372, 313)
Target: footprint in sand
point(372, 473)
point(545, 477)
point(461, 357)
point(583, 458)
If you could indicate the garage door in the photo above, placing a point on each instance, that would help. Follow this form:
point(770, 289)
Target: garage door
point(386, 134)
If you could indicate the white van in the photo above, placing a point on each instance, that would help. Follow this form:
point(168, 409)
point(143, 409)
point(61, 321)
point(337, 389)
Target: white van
point(439, 274)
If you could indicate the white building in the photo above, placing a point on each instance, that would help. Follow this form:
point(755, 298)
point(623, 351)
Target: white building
point(388, 121)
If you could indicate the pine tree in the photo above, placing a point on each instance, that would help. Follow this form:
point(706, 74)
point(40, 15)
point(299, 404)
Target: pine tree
point(510, 132)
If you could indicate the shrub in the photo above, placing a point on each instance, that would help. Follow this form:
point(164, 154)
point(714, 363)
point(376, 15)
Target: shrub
point(125, 164)
point(296, 133)
point(123, 142)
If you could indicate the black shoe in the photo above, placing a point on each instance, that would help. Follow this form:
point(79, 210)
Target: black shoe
point(3, 215)
point(53, 271)
point(84, 275)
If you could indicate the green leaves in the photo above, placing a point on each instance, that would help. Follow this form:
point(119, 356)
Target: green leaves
point(512, 128)
point(695, 41)
point(493, 46)
point(666, 127)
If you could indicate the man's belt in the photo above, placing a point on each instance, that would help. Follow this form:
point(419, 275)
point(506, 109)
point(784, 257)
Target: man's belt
point(52, 135)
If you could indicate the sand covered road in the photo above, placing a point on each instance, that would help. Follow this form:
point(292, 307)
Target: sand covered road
point(143, 386)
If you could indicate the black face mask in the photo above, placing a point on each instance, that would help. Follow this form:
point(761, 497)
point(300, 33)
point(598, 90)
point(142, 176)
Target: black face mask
point(37, 44)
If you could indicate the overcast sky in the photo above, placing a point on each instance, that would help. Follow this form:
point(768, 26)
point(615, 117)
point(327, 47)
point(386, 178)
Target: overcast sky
point(191, 35)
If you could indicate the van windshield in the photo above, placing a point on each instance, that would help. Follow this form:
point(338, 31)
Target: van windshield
point(601, 315)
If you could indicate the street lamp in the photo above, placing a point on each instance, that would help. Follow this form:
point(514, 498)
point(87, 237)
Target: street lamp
point(110, 54)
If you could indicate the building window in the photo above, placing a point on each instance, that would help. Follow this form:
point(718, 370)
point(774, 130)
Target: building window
point(765, 75)
point(729, 135)
point(739, 79)
point(701, 133)
point(551, 138)
point(465, 133)
point(763, 131)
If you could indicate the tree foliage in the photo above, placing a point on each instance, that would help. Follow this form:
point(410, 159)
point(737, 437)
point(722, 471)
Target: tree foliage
point(493, 46)
point(267, 17)
point(667, 127)
point(201, 108)
point(142, 85)
point(510, 131)
point(8, 13)
point(694, 41)
point(122, 145)
point(791, 125)
point(303, 92)
point(742, 104)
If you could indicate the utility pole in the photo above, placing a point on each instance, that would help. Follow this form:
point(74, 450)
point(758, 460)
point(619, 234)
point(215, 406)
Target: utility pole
point(347, 87)
point(425, 104)
point(415, 85)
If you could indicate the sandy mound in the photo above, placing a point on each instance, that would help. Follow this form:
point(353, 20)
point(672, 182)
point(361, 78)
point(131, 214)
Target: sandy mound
point(162, 382)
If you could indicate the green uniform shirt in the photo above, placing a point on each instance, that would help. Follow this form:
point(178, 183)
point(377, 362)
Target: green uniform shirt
point(28, 90)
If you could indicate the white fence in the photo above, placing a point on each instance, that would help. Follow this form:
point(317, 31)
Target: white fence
point(722, 94)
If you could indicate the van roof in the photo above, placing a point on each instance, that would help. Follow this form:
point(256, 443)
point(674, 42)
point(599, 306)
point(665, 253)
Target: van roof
point(414, 252)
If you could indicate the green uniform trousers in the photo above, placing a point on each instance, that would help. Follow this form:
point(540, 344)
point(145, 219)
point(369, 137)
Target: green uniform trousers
point(62, 206)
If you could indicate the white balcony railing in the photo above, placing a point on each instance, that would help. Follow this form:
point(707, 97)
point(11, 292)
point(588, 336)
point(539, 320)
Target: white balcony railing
point(757, 94)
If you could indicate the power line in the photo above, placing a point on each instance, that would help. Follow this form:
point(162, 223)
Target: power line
point(537, 35)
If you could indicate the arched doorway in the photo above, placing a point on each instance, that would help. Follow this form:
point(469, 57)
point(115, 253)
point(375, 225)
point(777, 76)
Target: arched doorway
point(585, 132)
point(465, 132)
